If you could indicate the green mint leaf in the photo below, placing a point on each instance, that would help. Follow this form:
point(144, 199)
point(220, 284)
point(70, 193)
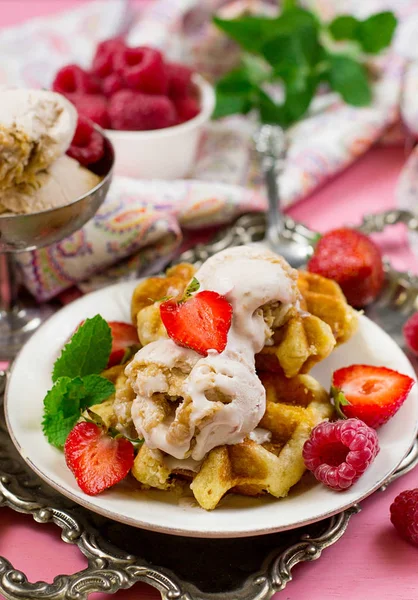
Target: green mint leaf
point(56, 428)
point(95, 390)
point(63, 397)
point(298, 99)
point(344, 27)
point(67, 398)
point(87, 352)
point(295, 43)
point(349, 78)
point(255, 68)
point(230, 104)
point(249, 32)
point(288, 5)
point(339, 400)
point(237, 82)
point(270, 111)
point(376, 32)
point(61, 410)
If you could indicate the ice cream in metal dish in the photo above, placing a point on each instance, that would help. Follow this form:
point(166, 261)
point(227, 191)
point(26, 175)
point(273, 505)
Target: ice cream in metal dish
point(36, 130)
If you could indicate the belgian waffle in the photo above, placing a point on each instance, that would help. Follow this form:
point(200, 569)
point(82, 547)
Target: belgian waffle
point(294, 407)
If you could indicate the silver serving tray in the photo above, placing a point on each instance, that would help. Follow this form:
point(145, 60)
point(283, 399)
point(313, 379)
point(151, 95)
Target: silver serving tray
point(184, 568)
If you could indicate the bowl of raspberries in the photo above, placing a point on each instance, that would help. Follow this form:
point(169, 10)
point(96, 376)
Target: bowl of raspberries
point(151, 109)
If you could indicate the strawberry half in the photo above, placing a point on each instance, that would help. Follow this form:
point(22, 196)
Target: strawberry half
point(201, 323)
point(351, 259)
point(372, 394)
point(124, 335)
point(97, 460)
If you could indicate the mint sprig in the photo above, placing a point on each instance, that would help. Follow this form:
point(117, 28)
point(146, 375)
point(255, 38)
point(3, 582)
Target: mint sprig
point(77, 383)
point(298, 52)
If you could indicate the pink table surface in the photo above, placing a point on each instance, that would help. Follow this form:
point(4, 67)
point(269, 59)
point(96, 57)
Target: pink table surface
point(370, 560)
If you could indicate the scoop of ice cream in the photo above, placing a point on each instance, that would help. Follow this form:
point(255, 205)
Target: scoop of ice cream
point(157, 374)
point(228, 401)
point(65, 181)
point(36, 128)
point(250, 278)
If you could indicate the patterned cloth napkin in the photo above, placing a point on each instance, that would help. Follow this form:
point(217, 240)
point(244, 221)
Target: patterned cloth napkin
point(148, 228)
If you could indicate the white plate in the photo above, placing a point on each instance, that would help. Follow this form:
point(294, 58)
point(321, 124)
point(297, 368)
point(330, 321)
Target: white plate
point(161, 511)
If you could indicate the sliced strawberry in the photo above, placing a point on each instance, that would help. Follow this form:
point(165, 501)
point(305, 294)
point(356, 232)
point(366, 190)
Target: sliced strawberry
point(97, 460)
point(374, 394)
point(201, 323)
point(124, 336)
point(351, 259)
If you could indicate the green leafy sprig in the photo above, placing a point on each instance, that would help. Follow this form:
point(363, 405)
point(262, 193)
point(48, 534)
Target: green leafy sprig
point(77, 383)
point(299, 52)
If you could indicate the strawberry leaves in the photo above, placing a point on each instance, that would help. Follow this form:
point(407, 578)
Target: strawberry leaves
point(339, 400)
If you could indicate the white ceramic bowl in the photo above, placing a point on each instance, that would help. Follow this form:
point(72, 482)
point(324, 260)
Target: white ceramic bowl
point(163, 153)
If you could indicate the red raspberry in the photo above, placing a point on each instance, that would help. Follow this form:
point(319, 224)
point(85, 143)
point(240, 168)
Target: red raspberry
point(92, 106)
point(410, 332)
point(133, 111)
point(112, 84)
point(103, 61)
point(187, 108)
point(88, 145)
point(339, 453)
point(72, 79)
point(404, 515)
point(179, 79)
point(142, 69)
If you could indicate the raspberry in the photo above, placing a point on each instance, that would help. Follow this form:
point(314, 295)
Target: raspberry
point(88, 145)
point(72, 79)
point(179, 79)
point(103, 61)
point(339, 453)
point(404, 515)
point(410, 332)
point(112, 84)
point(92, 106)
point(187, 108)
point(142, 69)
point(133, 111)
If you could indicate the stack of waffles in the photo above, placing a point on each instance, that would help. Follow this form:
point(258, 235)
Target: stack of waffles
point(269, 459)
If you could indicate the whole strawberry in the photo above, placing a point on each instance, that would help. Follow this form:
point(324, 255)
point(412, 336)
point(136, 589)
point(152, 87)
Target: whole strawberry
point(372, 394)
point(410, 332)
point(353, 260)
point(404, 515)
point(97, 460)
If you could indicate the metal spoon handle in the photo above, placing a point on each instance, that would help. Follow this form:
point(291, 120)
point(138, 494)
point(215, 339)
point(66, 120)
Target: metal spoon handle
point(271, 147)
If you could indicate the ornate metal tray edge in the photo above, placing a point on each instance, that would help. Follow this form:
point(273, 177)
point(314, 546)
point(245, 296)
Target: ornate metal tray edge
point(111, 569)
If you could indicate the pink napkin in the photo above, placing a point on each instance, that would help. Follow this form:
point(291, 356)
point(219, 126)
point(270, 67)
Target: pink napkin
point(331, 137)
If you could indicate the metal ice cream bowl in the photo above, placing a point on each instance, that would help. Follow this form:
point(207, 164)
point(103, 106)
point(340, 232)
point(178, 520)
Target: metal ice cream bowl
point(22, 232)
